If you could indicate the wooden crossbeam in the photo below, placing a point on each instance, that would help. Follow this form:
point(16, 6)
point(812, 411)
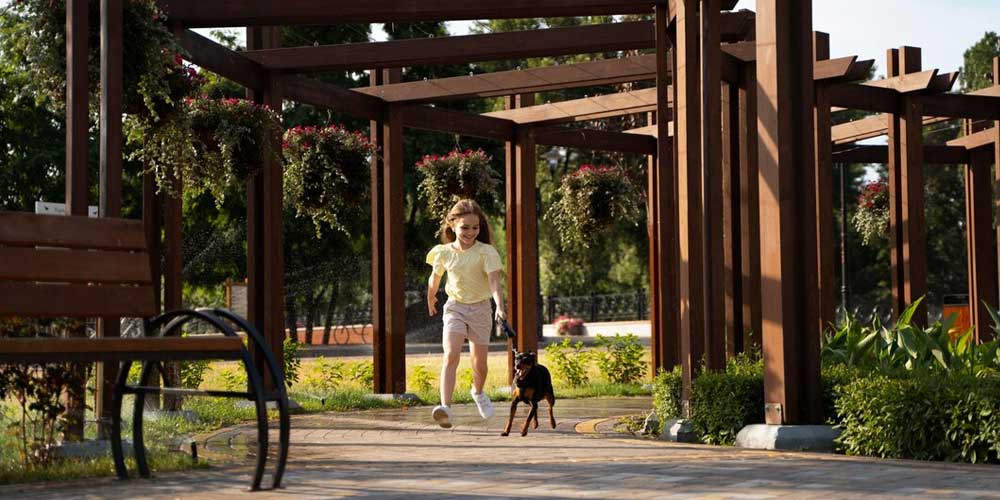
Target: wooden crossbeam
point(910, 82)
point(220, 60)
point(933, 155)
point(590, 108)
point(976, 106)
point(458, 122)
point(595, 140)
point(330, 96)
point(977, 140)
point(500, 83)
point(224, 13)
point(869, 127)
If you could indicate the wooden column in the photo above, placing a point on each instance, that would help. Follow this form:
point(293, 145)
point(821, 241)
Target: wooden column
point(826, 252)
point(111, 180)
point(394, 261)
point(265, 259)
point(907, 225)
point(380, 346)
point(712, 198)
point(76, 163)
point(982, 258)
point(732, 226)
point(749, 206)
point(792, 392)
point(513, 259)
point(996, 156)
point(687, 125)
point(662, 216)
point(526, 206)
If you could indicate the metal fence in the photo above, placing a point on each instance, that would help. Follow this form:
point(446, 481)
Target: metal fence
point(592, 308)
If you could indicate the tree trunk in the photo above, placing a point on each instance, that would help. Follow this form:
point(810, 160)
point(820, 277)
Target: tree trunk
point(330, 307)
point(291, 318)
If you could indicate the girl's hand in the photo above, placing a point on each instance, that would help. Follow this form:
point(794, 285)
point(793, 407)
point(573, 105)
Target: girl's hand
point(499, 315)
point(432, 305)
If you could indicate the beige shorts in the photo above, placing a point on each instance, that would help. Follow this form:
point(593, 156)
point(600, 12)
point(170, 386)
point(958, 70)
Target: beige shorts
point(467, 321)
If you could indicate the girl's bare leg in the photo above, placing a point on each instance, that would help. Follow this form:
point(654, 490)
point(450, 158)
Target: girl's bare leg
point(479, 366)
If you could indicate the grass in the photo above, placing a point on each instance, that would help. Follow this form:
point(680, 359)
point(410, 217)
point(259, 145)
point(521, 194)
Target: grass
point(325, 384)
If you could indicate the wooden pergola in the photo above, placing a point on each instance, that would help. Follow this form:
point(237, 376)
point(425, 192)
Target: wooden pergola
point(740, 148)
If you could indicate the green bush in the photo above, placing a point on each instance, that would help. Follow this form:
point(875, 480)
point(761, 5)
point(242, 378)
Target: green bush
point(621, 360)
point(292, 360)
point(724, 403)
point(667, 394)
point(421, 380)
point(925, 417)
point(569, 362)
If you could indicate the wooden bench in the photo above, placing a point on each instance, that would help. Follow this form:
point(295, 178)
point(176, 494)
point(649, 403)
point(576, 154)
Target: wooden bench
point(68, 266)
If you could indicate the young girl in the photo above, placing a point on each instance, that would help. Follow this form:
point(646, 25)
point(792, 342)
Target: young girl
point(473, 268)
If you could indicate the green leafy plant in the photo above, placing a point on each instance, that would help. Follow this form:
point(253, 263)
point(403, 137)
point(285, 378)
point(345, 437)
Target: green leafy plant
point(421, 380)
point(455, 176)
point(722, 403)
point(620, 358)
point(667, 394)
point(327, 173)
point(871, 218)
point(363, 372)
point(591, 199)
point(292, 360)
point(569, 362)
point(324, 374)
point(233, 378)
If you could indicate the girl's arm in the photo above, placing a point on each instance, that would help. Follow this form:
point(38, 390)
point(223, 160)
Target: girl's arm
point(497, 289)
point(432, 290)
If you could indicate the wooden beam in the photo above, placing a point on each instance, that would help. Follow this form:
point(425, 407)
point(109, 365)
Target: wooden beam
point(904, 84)
point(526, 206)
point(329, 96)
point(662, 215)
point(977, 140)
point(869, 127)
point(823, 175)
point(933, 155)
point(457, 122)
point(750, 206)
point(732, 222)
point(458, 49)
point(653, 130)
point(595, 140)
point(394, 259)
point(687, 120)
point(982, 258)
point(77, 102)
point(222, 61)
point(978, 106)
point(712, 186)
point(589, 108)
point(511, 159)
point(792, 390)
point(531, 80)
point(225, 13)
point(864, 97)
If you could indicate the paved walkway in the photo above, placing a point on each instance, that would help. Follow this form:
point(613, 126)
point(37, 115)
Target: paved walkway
point(398, 454)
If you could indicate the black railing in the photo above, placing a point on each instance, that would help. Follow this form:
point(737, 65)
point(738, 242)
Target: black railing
point(610, 307)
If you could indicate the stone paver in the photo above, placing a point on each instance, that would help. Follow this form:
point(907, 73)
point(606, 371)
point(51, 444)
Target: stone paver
point(401, 454)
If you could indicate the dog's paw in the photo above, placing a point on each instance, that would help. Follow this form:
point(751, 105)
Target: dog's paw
point(504, 433)
point(525, 433)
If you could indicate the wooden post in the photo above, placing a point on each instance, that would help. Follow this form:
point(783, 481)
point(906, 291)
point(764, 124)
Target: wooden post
point(982, 259)
point(732, 226)
point(527, 240)
point(380, 346)
point(394, 260)
point(687, 123)
point(996, 156)
point(787, 206)
point(750, 207)
point(826, 253)
point(712, 230)
point(110, 182)
point(265, 259)
point(513, 258)
point(907, 226)
point(662, 216)
point(76, 165)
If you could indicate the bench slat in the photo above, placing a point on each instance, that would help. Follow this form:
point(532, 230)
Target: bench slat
point(75, 266)
point(27, 229)
point(81, 301)
point(34, 350)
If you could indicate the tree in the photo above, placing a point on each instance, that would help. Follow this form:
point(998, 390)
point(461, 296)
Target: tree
point(977, 70)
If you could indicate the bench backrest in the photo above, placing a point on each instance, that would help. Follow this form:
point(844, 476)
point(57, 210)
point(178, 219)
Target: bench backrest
point(57, 266)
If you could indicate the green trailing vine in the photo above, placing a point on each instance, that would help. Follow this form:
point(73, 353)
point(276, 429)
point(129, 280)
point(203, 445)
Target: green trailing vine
point(592, 199)
point(456, 176)
point(872, 216)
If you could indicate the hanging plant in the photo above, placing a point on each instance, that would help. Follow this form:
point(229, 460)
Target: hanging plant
point(150, 68)
point(871, 219)
point(456, 176)
point(214, 144)
point(592, 199)
point(327, 173)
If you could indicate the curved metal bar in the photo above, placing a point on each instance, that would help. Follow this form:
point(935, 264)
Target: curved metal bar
point(117, 451)
point(257, 388)
point(278, 379)
point(138, 410)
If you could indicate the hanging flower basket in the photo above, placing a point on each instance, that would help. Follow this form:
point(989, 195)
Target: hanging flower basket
point(456, 176)
point(152, 75)
point(871, 219)
point(327, 173)
point(592, 199)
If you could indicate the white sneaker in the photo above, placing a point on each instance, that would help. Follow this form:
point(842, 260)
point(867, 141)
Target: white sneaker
point(442, 415)
point(483, 403)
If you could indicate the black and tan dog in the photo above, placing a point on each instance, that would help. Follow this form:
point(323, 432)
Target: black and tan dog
point(532, 383)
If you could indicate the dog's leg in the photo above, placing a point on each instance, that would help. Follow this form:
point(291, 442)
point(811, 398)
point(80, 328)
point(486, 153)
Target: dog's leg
point(510, 420)
point(551, 398)
point(534, 422)
point(531, 414)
